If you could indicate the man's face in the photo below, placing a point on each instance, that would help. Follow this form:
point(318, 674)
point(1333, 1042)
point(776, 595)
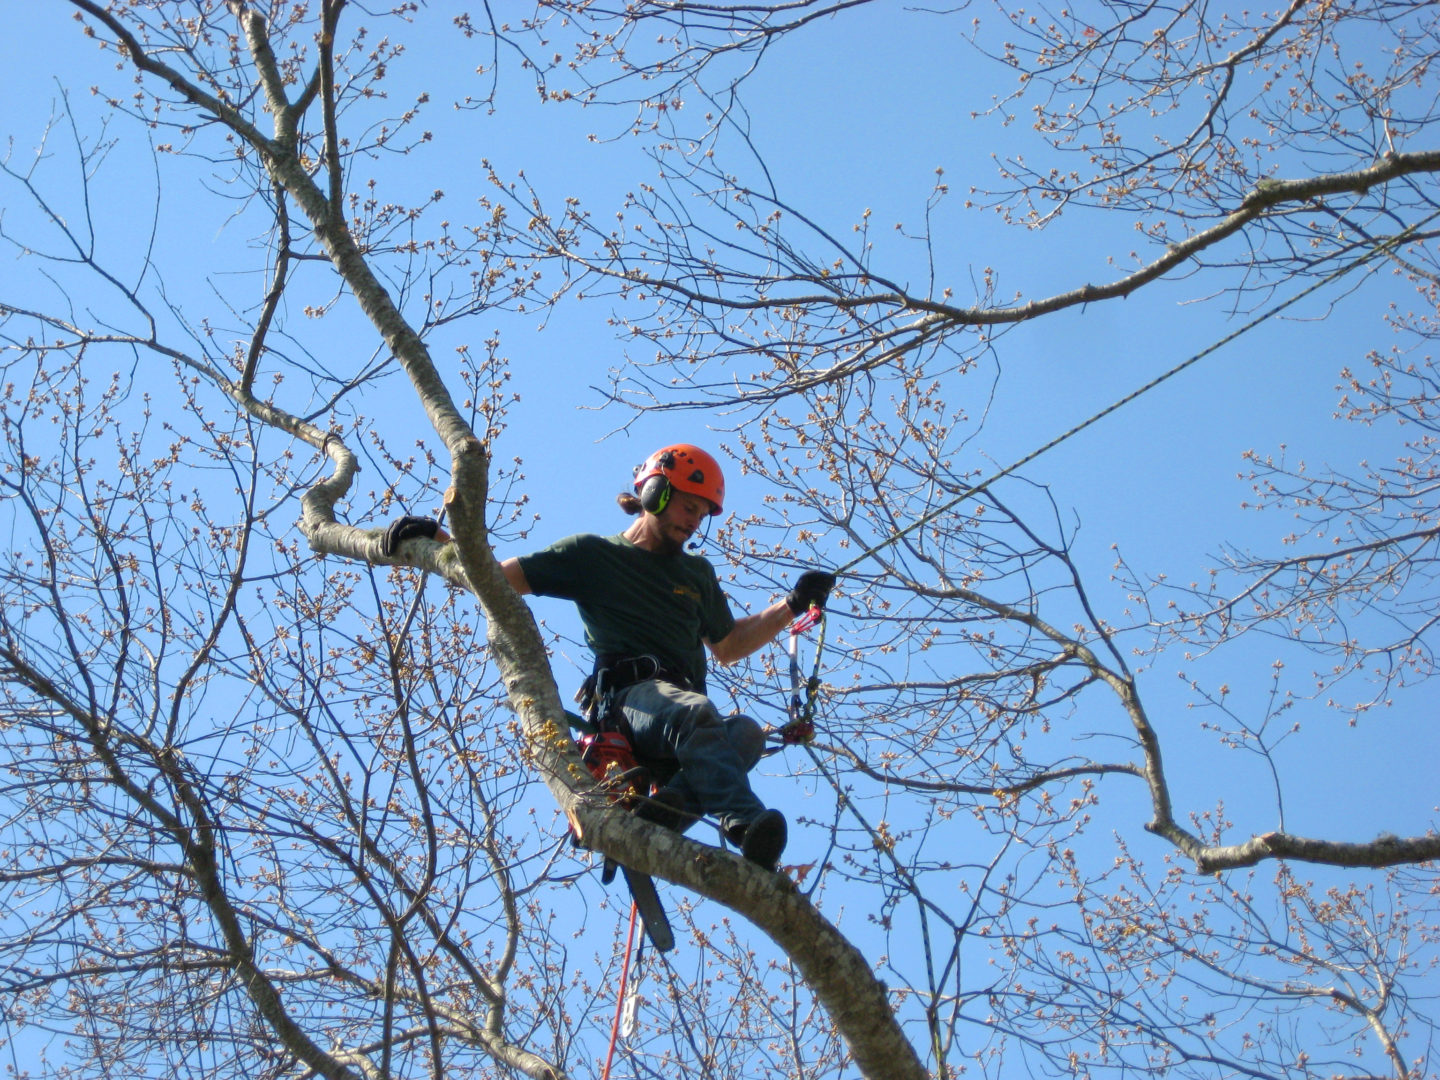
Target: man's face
point(682, 517)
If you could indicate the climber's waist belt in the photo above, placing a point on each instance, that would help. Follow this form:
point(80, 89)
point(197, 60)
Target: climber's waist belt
point(615, 673)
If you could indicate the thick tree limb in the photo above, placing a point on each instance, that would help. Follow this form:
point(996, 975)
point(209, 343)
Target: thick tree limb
point(1382, 851)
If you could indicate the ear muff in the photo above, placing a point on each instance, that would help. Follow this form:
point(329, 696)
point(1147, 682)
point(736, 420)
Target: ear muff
point(655, 494)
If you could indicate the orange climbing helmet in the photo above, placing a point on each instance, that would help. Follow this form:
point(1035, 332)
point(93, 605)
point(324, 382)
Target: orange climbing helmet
point(680, 467)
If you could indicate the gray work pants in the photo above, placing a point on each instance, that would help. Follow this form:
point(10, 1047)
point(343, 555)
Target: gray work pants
point(694, 751)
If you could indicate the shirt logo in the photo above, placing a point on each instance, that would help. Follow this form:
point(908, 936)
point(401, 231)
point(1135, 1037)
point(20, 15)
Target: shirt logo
point(687, 592)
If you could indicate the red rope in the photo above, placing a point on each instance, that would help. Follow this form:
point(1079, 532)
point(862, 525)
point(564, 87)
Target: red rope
point(620, 997)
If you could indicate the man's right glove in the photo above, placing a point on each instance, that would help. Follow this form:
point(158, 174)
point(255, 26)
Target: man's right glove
point(811, 588)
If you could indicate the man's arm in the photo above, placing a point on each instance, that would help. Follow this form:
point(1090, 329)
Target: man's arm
point(812, 589)
point(410, 527)
point(515, 576)
point(751, 633)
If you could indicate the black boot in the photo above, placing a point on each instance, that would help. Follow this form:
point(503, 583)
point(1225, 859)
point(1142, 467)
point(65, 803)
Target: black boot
point(760, 840)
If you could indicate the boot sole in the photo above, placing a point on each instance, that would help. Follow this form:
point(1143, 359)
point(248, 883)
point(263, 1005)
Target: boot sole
point(765, 840)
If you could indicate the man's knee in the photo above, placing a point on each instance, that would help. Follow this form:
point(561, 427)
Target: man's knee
point(748, 739)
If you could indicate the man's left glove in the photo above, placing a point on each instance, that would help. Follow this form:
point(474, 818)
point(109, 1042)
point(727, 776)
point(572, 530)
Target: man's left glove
point(410, 528)
point(812, 588)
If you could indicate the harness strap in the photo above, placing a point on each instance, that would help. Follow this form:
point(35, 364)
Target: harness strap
point(612, 674)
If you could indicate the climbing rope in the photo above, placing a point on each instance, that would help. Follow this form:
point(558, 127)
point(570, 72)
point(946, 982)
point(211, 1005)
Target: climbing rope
point(620, 994)
point(1373, 252)
point(799, 729)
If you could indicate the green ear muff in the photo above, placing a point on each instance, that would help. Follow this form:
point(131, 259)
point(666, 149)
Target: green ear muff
point(655, 494)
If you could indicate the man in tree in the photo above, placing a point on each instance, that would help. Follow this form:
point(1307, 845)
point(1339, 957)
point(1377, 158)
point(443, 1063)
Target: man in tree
point(650, 610)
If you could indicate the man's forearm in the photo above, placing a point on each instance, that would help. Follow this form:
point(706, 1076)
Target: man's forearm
point(752, 632)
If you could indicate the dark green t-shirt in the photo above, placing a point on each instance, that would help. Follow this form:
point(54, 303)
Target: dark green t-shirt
point(635, 602)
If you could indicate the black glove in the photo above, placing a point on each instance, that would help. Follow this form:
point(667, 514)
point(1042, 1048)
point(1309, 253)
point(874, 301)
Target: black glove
point(811, 588)
point(408, 528)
